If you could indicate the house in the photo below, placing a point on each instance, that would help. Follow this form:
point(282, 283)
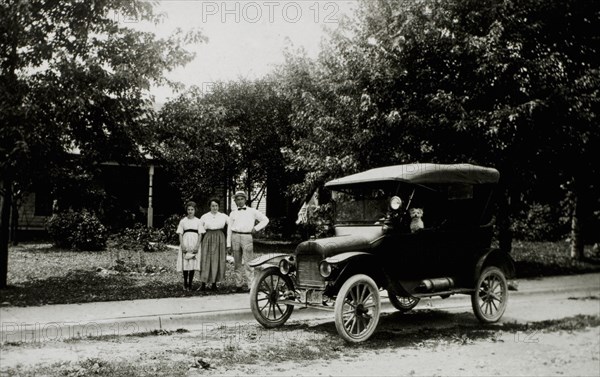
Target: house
point(131, 193)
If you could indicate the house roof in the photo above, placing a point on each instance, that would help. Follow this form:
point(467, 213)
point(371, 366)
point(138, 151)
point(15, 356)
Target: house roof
point(422, 174)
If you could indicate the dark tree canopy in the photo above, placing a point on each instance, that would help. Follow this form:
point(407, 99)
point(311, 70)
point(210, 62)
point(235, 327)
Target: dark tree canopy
point(509, 84)
point(236, 130)
point(75, 78)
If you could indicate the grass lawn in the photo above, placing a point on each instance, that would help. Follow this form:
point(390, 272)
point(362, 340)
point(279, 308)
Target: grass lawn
point(537, 259)
point(39, 274)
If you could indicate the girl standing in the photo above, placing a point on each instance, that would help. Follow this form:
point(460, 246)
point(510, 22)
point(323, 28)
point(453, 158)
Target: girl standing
point(213, 252)
point(189, 230)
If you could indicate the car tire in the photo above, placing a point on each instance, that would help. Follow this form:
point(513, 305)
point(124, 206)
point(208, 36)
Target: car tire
point(357, 309)
point(491, 295)
point(403, 304)
point(267, 290)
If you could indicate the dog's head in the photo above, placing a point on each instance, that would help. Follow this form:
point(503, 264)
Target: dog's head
point(415, 213)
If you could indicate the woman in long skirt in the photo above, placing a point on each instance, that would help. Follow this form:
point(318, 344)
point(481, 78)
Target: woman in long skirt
point(213, 254)
point(188, 260)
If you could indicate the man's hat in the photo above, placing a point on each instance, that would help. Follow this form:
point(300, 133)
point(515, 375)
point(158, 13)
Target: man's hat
point(240, 193)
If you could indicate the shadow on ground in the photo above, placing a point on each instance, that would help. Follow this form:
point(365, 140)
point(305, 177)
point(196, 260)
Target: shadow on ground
point(79, 286)
point(430, 327)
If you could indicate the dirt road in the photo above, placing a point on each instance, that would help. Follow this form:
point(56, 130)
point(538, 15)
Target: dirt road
point(549, 328)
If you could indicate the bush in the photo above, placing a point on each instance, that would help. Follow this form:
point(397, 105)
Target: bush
point(280, 229)
point(139, 237)
point(540, 222)
point(77, 230)
point(61, 228)
point(169, 228)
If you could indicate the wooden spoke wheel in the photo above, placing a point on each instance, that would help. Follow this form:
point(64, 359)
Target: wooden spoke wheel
point(357, 308)
point(491, 295)
point(265, 296)
point(403, 304)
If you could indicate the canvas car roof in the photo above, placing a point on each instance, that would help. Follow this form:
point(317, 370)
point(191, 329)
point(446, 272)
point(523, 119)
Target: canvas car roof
point(423, 173)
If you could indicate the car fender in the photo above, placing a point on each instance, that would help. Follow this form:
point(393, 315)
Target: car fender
point(343, 257)
point(353, 262)
point(267, 260)
point(498, 258)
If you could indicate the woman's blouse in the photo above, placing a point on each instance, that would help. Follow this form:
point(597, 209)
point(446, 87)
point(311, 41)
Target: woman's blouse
point(215, 221)
point(188, 224)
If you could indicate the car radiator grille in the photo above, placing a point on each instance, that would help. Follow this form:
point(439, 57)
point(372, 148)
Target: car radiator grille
point(307, 274)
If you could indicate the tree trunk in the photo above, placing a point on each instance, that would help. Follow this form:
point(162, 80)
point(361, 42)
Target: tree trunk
point(276, 200)
point(249, 190)
point(6, 205)
point(226, 201)
point(504, 232)
point(577, 241)
point(14, 223)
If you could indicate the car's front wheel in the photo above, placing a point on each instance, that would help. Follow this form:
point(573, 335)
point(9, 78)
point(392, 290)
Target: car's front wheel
point(357, 308)
point(265, 296)
point(403, 304)
point(491, 295)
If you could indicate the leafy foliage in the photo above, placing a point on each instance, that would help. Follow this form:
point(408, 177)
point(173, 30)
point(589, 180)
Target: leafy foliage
point(73, 77)
point(495, 83)
point(540, 223)
point(320, 223)
point(235, 130)
point(169, 229)
point(86, 87)
point(77, 230)
point(139, 237)
point(279, 230)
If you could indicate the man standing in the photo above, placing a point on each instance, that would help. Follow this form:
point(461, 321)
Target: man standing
point(242, 225)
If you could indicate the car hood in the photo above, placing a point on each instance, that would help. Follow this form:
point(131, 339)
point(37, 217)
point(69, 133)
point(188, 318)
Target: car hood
point(327, 247)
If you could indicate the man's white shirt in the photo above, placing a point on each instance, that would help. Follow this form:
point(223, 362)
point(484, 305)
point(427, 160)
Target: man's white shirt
point(243, 220)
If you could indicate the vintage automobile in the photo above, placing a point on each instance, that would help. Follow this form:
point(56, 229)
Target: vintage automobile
point(378, 246)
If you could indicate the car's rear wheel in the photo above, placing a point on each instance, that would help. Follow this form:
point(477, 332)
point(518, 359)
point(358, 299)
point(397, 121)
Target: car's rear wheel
point(357, 309)
point(491, 295)
point(265, 296)
point(403, 304)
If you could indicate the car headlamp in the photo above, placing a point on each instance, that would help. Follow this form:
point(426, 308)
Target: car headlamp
point(286, 266)
point(395, 203)
point(325, 269)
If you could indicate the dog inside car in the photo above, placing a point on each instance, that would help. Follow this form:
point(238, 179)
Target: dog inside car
point(416, 221)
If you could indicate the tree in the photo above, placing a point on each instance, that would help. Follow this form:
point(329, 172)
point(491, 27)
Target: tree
point(196, 143)
point(500, 83)
point(72, 77)
point(236, 130)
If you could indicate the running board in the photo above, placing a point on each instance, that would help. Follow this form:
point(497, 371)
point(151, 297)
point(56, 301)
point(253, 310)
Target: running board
point(443, 293)
point(301, 305)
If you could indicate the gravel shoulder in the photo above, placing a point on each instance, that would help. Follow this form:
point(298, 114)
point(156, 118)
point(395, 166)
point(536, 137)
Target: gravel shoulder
point(570, 346)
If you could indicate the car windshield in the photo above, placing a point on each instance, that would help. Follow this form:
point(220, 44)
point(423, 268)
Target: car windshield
point(360, 205)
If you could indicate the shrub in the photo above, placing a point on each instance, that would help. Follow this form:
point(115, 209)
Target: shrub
point(280, 229)
point(61, 228)
point(128, 247)
point(77, 230)
point(540, 222)
point(169, 228)
point(139, 237)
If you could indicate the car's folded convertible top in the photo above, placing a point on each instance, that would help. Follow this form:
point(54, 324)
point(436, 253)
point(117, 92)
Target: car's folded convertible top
point(422, 174)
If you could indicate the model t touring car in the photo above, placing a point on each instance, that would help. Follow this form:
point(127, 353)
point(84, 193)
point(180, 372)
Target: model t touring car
point(415, 230)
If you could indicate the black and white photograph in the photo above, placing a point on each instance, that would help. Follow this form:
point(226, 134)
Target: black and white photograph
point(299, 188)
